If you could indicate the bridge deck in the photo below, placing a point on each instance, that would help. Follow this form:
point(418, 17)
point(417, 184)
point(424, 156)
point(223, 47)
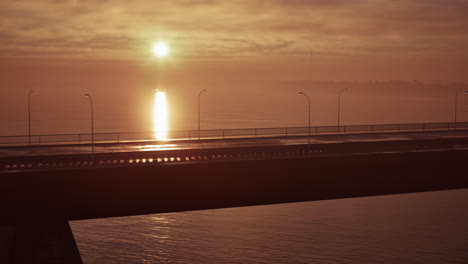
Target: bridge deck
point(54, 189)
point(56, 184)
point(251, 179)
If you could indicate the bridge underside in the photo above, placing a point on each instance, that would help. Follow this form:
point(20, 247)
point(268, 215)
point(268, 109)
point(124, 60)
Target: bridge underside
point(62, 195)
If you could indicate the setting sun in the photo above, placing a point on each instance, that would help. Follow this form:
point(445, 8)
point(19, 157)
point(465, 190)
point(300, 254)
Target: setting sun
point(161, 49)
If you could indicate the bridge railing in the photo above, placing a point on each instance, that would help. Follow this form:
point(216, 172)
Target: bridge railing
point(116, 137)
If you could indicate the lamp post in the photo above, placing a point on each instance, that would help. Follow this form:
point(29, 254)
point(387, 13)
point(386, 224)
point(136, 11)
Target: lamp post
point(92, 124)
point(339, 105)
point(456, 103)
point(199, 99)
point(308, 101)
point(29, 114)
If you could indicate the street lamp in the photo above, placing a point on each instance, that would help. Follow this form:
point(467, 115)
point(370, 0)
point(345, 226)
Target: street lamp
point(29, 114)
point(199, 97)
point(339, 105)
point(456, 102)
point(308, 101)
point(92, 124)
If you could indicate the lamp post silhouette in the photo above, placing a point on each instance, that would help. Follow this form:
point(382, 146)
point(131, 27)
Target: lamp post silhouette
point(456, 103)
point(92, 124)
point(199, 99)
point(308, 101)
point(29, 114)
point(339, 105)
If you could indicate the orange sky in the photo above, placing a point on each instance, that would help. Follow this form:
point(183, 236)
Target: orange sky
point(316, 39)
point(64, 49)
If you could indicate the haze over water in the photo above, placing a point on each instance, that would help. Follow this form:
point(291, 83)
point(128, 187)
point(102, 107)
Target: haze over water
point(232, 104)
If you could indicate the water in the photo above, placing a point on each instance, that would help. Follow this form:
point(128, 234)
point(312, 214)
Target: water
point(227, 105)
point(411, 228)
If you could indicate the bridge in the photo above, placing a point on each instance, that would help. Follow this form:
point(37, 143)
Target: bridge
point(46, 184)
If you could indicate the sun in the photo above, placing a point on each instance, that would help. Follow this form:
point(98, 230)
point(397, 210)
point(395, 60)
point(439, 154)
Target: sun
point(161, 49)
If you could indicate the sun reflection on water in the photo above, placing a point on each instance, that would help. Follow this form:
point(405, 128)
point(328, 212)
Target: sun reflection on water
point(160, 115)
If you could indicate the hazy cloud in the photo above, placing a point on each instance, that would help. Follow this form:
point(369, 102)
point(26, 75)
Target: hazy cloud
point(243, 28)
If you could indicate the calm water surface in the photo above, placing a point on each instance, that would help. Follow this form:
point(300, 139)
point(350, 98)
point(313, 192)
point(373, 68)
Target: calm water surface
point(411, 228)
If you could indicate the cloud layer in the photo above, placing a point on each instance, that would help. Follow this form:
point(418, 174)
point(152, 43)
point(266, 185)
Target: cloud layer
point(322, 31)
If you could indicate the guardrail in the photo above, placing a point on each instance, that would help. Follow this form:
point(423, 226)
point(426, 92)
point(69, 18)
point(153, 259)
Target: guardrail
point(116, 137)
point(155, 158)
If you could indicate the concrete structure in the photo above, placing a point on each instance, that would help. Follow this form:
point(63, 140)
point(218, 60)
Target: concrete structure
point(45, 192)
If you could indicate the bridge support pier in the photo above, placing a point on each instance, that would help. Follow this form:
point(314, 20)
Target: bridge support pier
point(38, 241)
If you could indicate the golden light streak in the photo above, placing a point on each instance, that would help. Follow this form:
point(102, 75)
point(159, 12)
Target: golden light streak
point(160, 115)
point(158, 147)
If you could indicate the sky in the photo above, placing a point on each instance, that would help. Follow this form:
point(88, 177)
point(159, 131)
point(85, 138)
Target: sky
point(427, 38)
point(63, 49)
